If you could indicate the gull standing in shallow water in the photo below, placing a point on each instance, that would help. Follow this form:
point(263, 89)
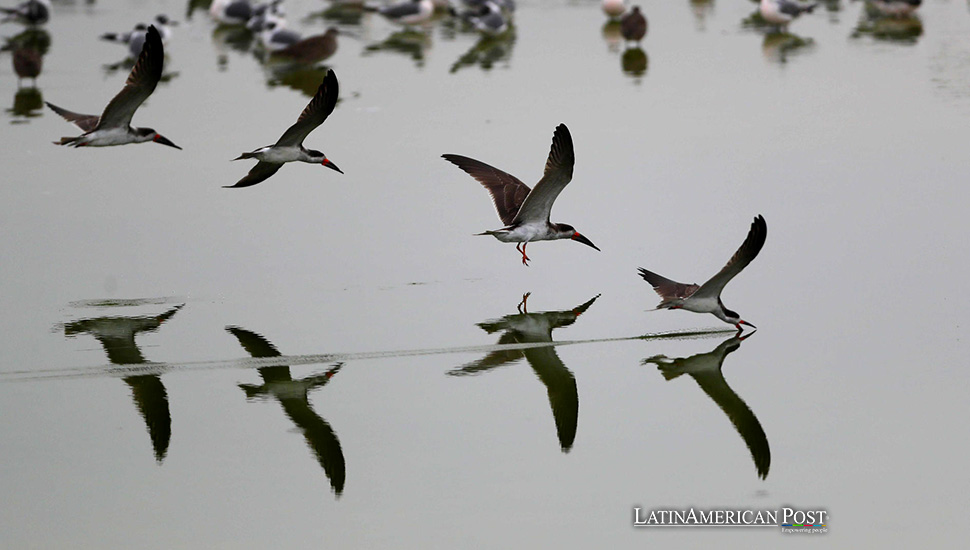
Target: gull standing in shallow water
point(526, 212)
point(409, 12)
point(289, 148)
point(706, 298)
point(782, 12)
point(113, 127)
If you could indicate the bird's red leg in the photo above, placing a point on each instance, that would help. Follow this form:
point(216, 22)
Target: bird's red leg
point(525, 259)
point(523, 307)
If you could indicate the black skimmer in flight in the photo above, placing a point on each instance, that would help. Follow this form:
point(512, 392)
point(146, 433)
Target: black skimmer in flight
point(31, 12)
point(781, 12)
point(705, 369)
point(525, 212)
point(293, 396)
point(117, 337)
point(633, 25)
point(706, 298)
point(560, 383)
point(113, 127)
point(289, 148)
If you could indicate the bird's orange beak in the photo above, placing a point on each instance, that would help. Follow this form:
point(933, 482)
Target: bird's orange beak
point(330, 165)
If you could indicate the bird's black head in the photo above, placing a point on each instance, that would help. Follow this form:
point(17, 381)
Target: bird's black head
point(318, 156)
point(567, 231)
point(149, 134)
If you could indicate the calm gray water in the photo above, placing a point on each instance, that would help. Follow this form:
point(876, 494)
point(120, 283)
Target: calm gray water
point(398, 398)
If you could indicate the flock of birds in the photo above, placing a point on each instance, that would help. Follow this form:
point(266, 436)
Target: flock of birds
point(524, 212)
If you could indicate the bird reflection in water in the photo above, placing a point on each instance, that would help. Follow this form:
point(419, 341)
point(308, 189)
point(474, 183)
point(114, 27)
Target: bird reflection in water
point(489, 50)
point(342, 12)
point(778, 44)
point(705, 369)
point(117, 337)
point(410, 42)
point(701, 9)
point(302, 78)
point(27, 54)
point(525, 327)
point(635, 62)
point(292, 396)
point(902, 28)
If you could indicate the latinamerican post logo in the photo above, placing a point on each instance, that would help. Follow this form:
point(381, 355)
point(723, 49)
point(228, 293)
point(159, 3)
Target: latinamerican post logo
point(790, 520)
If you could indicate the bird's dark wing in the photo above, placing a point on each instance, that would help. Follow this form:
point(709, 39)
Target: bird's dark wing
point(559, 170)
point(561, 387)
point(259, 173)
point(84, 122)
point(321, 438)
point(507, 191)
point(315, 112)
point(140, 84)
point(667, 289)
point(152, 402)
point(745, 422)
point(494, 359)
point(749, 249)
point(255, 344)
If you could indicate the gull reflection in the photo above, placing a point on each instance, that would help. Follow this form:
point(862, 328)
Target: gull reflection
point(705, 369)
point(701, 9)
point(292, 396)
point(903, 27)
point(635, 62)
point(778, 43)
point(525, 327)
point(117, 337)
point(489, 50)
point(410, 42)
point(27, 54)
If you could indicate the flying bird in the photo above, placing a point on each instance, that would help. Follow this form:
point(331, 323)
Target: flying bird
point(706, 298)
point(289, 147)
point(525, 212)
point(113, 127)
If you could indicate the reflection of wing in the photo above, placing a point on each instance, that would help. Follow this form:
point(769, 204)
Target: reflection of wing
point(121, 349)
point(705, 369)
point(494, 359)
point(745, 422)
point(321, 438)
point(748, 250)
point(561, 386)
point(152, 402)
point(255, 344)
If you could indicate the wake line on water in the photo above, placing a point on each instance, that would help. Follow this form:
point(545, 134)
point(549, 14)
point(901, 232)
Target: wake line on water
point(124, 371)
